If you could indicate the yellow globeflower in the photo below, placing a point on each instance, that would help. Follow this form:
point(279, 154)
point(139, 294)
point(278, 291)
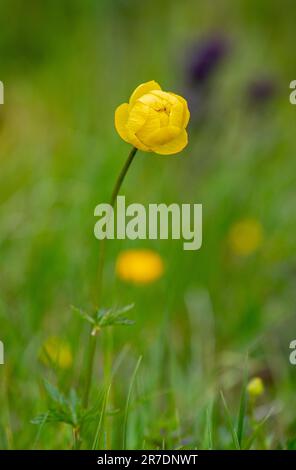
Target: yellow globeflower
point(255, 387)
point(153, 120)
point(56, 352)
point(139, 266)
point(245, 236)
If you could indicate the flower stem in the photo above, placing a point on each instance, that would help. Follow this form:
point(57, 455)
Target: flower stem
point(76, 438)
point(93, 333)
point(122, 176)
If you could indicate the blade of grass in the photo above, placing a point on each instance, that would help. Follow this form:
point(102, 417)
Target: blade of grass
point(257, 430)
point(40, 430)
point(242, 409)
point(208, 441)
point(230, 423)
point(102, 415)
point(128, 402)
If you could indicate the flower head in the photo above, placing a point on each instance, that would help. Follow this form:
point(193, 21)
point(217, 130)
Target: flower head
point(153, 120)
point(139, 266)
point(261, 91)
point(205, 58)
point(245, 237)
point(255, 387)
point(56, 352)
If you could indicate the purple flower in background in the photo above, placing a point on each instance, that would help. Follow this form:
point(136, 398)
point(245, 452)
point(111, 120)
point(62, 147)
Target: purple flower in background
point(261, 91)
point(205, 57)
point(201, 62)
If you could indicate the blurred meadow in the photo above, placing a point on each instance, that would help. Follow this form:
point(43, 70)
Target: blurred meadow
point(215, 318)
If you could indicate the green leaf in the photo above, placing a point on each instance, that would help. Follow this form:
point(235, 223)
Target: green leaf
point(99, 427)
point(52, 416)
point(62, 409)
point(109, 317)
point(92, 414)
point(41, 425)
point(84, 315)
point(40, 419)
point(257, 430)
point(208, 439)
point(3, 438)
point(242, 409)
point(230, 423)
point(74, 406)
point(106, 316)
point(55, 395)
point(128, 401)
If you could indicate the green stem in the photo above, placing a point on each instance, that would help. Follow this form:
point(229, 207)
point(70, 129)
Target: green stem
point(89, 369)
point(93, 334)
point(122, 176)
point(76, 439)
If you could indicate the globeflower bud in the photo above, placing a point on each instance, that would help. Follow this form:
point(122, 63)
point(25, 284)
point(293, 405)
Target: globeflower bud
point(255, 387)
point(153, 120)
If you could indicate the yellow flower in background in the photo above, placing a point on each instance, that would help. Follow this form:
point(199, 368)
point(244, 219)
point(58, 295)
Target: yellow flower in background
point(246, 236)
point(139, 266)
point(153, 120)
point(56, 352)
point(255, 387)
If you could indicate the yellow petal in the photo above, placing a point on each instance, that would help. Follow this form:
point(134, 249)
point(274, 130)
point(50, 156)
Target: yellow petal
point(165, 96)
point(121, 117)
point(136, 142)
point(151, 125)
point(152, 101)
point(143, 89)
point(177, 115)
point(186, 112)
point(161, 136)
point(174, 146)
point(138, 115)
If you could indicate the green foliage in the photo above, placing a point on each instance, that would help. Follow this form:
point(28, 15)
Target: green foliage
point(104, 317)
point(65, 67)
point(242, 409)
point(61, 410)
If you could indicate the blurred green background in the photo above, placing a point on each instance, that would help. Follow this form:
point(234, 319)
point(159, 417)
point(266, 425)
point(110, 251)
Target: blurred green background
point(66, 66)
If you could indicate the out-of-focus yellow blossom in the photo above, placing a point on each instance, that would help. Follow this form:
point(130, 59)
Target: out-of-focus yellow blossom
point(255, 387)
point(139, 266)
point(245, 237)
point(56, 352)
point(153, 120)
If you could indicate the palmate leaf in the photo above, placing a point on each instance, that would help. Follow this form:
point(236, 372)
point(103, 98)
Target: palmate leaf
point(62, 409)
point(106, 316)
point(84, 315)
point(114, 316)
point(54, 394)
point(52, 416)
point(111, 317)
